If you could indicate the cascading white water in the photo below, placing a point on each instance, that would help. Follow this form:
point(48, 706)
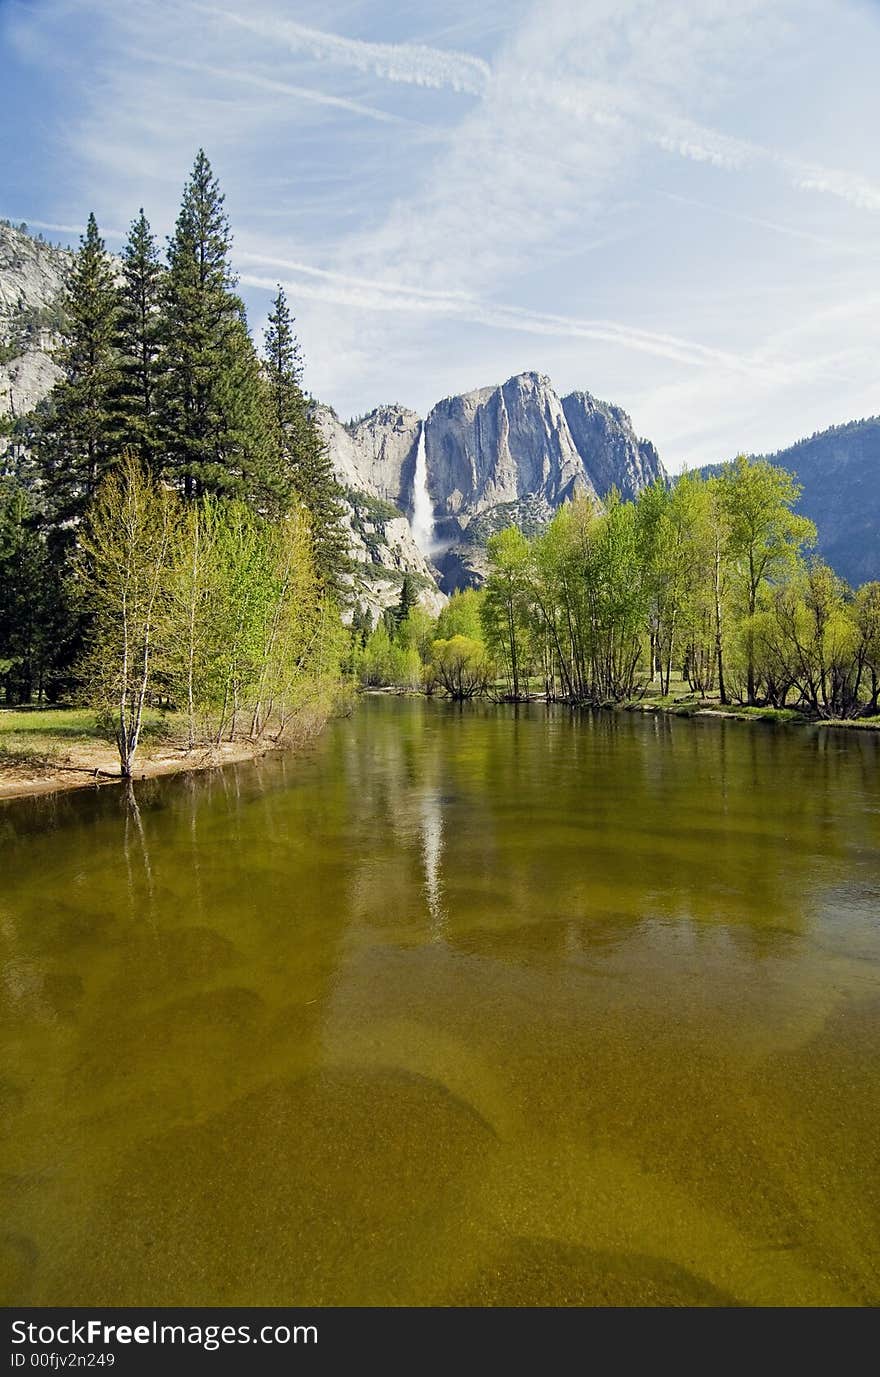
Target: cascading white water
point(423, 507)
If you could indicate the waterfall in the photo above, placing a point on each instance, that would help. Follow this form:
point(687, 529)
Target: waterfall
point(422, 506)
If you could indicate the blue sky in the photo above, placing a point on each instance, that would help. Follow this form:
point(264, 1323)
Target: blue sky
point(674, 204)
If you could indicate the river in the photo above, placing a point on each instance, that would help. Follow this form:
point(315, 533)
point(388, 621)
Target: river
point(457, 1006)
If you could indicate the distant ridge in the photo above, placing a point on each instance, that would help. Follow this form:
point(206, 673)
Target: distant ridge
point(839, 471)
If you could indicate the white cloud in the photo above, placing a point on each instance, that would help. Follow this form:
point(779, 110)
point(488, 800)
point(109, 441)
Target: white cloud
point(431, 242)
point(55, 228)
point(280, 88)
point(343, 290)
point(412, 63)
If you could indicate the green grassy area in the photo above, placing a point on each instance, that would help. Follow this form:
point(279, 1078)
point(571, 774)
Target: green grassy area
point(54, 733)
point(760, 714)
point(680, 702)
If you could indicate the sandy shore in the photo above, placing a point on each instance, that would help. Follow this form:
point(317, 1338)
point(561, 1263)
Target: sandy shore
point(96, 765)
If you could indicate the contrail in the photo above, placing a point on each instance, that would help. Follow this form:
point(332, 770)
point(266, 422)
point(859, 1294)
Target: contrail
point(413, 63)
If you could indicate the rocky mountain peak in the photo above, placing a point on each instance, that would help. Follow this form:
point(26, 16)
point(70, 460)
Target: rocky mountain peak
point(612, 452)
point(375, 453)
point(497, 444)
point(31, 276)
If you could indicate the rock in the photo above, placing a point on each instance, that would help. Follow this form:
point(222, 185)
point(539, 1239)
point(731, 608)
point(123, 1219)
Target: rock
point(611, 452)
point(31, 276)
point(498, 444)
point(31, 280)
point(25, 381)
point(383, 549)
point(376, 453)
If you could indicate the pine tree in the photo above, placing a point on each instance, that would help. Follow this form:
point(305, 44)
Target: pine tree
point(408, 599)
point(140, 334)
point(74, 437)
point(38, 626)
point(212, 398)
point(300, 465)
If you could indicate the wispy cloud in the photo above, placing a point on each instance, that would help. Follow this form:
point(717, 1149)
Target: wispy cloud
point(701, 144)
point(54, 228)
point(789, 231)
point(413, 63)
point(290, 265)
point(622, 110)
point(343, 290)
point(453, 192)
point(272, 86)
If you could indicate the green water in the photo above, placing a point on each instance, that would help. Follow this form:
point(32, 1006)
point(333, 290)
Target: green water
point(456, 1007)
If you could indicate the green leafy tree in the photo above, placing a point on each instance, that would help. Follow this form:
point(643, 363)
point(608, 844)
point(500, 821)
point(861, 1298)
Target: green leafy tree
point(866, 612)
point(461, 615)
point(461, 666)
point(504, 604)
point(764, 535)
point(122, 569)
point(387, 662)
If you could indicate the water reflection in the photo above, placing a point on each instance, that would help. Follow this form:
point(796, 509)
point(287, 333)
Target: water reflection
point(432, 854)
point(455, 1007)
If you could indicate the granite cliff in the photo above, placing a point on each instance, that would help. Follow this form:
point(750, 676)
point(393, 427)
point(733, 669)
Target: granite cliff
point(496, 455)
point(31, 280)
point(491, 456)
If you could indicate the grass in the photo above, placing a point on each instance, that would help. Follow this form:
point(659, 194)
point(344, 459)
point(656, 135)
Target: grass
point(63, 747)
point(760, 714)
point(681, 702)
point(57, 734)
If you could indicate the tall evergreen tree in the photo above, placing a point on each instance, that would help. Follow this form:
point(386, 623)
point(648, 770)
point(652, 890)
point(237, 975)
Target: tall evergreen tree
point(212, 422)
point(75, 438)
point(38, 628)
point(409, 597)
point(300, 464)
point(140, 336)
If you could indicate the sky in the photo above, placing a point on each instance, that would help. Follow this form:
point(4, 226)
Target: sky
point(672, 204)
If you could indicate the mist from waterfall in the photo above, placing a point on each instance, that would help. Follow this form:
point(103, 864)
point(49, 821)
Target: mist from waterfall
point(422, 506)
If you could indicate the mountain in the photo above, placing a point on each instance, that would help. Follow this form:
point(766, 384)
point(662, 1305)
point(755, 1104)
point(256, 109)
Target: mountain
point(498, 444)
point(494, 456)
point(839, 472)
point(31, 279)
point(374, 459)
point(513, 454)
point(375, 453)
point(614, 456)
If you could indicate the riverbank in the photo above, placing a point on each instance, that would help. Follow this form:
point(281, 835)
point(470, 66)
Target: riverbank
point(689, 706)
point(49, 750)
point(684, 705)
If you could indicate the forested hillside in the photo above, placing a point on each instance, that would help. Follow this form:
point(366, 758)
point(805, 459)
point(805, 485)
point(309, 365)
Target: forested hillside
point(171, 530)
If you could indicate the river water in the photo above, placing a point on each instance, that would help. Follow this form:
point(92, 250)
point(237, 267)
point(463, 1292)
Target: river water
point(476, 1006)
